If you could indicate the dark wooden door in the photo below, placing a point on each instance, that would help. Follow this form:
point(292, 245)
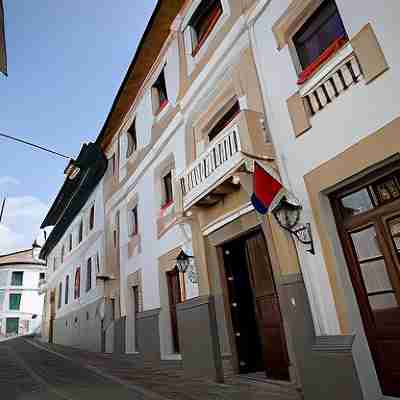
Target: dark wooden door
point(252, 293)
point(136, 312)
point(174, 292)
point(370, 233)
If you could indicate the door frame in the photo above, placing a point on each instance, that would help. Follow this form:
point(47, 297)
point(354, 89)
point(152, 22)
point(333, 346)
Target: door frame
point(252, 227)
point(377, 217)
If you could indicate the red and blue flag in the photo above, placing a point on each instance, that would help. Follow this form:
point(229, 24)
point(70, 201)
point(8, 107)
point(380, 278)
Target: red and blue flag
point(267, 190)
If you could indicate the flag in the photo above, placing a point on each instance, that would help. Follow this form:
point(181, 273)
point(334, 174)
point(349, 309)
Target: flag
point(3, 54)
point(268, 192)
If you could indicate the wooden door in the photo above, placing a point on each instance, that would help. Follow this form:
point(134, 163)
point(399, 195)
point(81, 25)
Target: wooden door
point(136, 312)
point(174, 293)
point(368, 221)
point(255, 311)
point(267, 308)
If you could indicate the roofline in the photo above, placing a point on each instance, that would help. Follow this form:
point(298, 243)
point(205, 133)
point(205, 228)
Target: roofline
point(102, 134)
point(42, 263)
point(15, 252)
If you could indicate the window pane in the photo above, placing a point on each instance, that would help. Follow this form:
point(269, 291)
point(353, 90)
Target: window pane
point(383, 301)
point(15, 301)
point(366, 243)
point(17, 278)
point(12, 325)
point(357, 203)
point(375, 276)
point(168, 188)
point(89, 275)
point(394, 226)
point(387, 190)
point(318, 33)
point(2, 296)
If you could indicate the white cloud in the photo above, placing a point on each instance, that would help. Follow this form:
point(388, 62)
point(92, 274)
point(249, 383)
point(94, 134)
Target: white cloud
point(8, 180)
point(21, 222)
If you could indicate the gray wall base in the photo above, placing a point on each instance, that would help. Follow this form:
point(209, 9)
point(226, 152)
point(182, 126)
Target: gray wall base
point(80, 328)
point(149, 335)
point(198, 338)
point(119, 335)
point(325, 364)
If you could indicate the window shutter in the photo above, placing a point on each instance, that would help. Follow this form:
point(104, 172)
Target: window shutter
point(171, 71)
point(188, 38)
point(369, 53)
point(299, 114)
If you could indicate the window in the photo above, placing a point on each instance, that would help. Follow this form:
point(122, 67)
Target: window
point(66, 294)
point(89, 275)
point(113, 164)
point(17, 278)
point(97, 262)
point(203, 21)
point(80, 232)
point(159, 91)
point(132, 139)
point(77, 287)
point(55, 263)
point(319, 32)
point(224, 121)
point(168, 194)
point(12, 325)
point(134, 221)
point(15, 301)
point(70, 242)
point(91, 218)
point(59, 295)
point(62, 253)
point(42, 276)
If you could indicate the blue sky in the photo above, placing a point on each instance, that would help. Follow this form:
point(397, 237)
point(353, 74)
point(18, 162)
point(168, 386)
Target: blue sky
point(66, 61)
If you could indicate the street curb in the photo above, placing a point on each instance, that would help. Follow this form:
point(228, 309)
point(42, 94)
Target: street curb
point(139, 389)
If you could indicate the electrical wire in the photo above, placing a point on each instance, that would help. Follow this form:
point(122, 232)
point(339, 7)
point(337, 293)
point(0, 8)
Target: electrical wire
point(34, 145)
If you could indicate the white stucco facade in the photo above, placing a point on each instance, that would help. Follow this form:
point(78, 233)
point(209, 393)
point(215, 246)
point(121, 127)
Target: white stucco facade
point(21, 303)
point(357, 113)
point(91, 247)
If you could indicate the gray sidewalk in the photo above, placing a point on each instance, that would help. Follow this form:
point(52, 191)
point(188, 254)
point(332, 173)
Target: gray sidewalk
point(167, 378)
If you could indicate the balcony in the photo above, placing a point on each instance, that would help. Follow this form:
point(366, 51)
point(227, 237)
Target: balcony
point(211, 176)
point(334, 77)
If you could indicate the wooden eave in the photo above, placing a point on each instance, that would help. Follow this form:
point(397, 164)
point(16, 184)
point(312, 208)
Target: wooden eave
point(149, 47)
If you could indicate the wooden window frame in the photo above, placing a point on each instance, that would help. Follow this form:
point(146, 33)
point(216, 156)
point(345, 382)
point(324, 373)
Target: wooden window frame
point(80, 232)
point(160, 89)
point(168, 192)
point(77, 284)
point(226, 118)
point(91, 217)
point(132, 139)
point(59, 300)
point(207, 16)
point(134, 221)
point(293, 47)
point(66, 294)
point(89, 274)
point(70, 244)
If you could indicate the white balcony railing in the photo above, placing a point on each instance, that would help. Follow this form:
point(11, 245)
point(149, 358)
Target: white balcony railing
point(212, 166)
point(334, 77)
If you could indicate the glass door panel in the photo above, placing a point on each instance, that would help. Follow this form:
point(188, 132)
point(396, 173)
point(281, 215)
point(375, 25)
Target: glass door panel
point(373, 268)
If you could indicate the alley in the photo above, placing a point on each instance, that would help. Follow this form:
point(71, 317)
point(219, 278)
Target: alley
point(28, 372)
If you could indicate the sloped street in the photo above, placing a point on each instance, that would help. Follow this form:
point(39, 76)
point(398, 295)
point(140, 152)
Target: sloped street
point(32, 370)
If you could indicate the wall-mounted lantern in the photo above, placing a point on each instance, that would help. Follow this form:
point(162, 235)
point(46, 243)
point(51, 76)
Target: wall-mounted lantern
point(288, 216)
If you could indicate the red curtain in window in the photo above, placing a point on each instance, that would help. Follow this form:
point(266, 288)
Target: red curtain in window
point(328, 53)
point(77, 288)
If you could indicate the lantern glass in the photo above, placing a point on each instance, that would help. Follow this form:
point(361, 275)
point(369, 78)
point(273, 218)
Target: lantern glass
point(287, 215)
point(183, 262)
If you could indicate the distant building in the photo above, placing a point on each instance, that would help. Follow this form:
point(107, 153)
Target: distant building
point(20, 301)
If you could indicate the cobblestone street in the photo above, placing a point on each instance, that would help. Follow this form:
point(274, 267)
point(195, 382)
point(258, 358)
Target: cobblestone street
point(33, 370)
point(28, 372)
